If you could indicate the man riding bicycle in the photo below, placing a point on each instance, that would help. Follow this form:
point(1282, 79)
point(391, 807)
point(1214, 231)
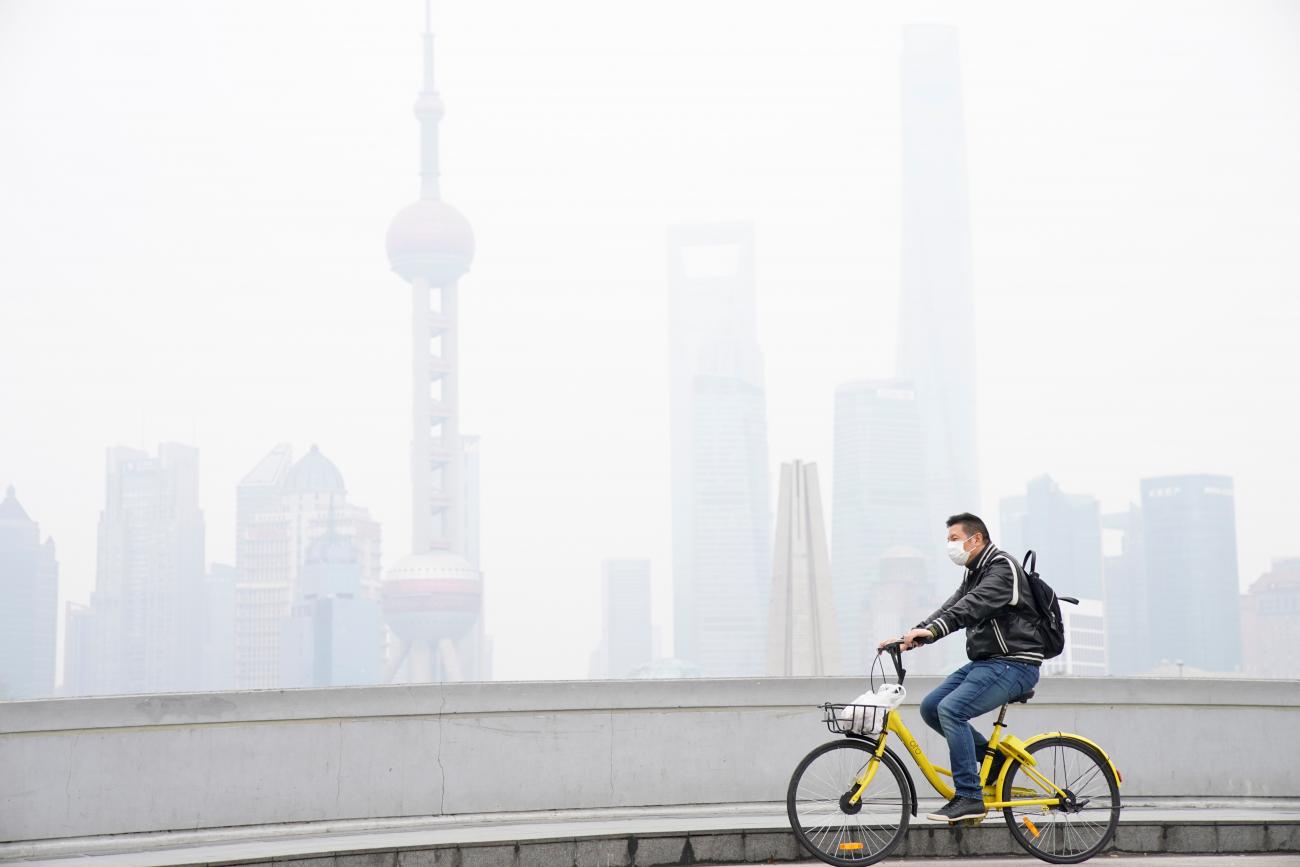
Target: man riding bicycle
point(995, 607)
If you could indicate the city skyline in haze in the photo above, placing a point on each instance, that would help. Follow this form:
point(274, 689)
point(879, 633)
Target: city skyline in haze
point(197, 200)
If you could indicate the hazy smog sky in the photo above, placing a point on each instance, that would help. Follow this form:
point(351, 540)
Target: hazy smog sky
point(194, 195)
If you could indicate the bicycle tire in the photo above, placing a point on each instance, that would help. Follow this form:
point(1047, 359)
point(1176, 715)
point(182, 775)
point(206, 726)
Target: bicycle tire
point(889, 762)
point(1099, 766)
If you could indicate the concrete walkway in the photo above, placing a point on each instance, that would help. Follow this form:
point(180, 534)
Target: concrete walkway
point(1121, 861)
point(648, 836)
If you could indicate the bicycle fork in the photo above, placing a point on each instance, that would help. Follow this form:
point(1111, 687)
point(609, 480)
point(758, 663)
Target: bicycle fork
point(873, 764)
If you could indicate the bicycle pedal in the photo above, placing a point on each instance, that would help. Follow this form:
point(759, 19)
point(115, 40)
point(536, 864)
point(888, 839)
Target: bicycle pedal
point(971, 823)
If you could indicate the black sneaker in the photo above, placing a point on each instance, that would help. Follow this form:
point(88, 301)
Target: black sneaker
point(960, 808)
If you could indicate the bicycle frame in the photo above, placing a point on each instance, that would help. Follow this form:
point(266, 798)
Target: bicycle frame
point(894, 725)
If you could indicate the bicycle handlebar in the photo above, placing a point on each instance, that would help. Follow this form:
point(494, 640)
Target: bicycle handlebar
point(895, 651)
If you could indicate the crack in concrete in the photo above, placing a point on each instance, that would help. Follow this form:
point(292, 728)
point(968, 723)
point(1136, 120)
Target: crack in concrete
point(67, 784)
point(442, 771)
point(338, 770)
point(611, 758)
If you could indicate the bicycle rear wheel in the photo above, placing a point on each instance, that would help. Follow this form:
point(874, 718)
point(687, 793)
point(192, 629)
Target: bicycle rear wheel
point(827, 825)
point(1074, 831)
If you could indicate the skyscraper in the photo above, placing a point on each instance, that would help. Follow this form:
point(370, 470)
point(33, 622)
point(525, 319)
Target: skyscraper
point(433, 598)
point(1085, 653)
point(29, 612)
point(1191, 557)
point(1127, 641)
point(902, 593)
point(879, 505)
point(1065, 532)
point(801, 635)
point(1270, 622)
point(625, 631)
point(936, 350)
point(721, 515)
point(141, 634)
point(83, 655)
point(334, 634)
point(283, 507)
point(215, 632)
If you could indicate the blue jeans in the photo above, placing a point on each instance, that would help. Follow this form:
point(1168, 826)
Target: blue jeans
point(975, 688)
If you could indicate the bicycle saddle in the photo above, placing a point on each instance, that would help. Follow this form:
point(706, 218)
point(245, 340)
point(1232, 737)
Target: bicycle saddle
point(1022, 699)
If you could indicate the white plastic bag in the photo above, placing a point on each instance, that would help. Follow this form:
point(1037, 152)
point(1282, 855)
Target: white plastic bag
point(865, 715)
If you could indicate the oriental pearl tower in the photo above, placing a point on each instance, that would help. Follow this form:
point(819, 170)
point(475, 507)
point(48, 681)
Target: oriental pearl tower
point(433, 597)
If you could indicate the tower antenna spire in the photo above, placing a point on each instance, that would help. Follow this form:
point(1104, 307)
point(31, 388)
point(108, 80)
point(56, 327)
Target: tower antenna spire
point(428, 110)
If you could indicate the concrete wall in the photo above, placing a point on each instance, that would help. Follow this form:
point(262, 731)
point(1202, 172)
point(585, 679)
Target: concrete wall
point(74, 767)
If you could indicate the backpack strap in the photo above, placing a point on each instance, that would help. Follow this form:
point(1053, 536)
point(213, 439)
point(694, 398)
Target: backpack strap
point(1031, 562)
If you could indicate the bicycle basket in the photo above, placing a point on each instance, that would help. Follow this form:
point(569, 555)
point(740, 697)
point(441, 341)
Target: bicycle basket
point(854, 719)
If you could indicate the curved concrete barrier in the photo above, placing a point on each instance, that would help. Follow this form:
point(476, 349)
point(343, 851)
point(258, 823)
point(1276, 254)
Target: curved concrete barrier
point(123, 764)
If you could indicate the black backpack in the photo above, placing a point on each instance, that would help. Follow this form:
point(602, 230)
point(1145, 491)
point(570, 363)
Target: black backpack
point(1047, 605)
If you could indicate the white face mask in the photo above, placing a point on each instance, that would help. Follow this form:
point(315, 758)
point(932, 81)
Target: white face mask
point(957, 553)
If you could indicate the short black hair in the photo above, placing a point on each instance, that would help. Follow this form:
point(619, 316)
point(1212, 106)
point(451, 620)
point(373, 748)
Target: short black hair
point(970, 525)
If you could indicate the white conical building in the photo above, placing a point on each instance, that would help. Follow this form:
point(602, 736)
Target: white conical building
point(802, 637)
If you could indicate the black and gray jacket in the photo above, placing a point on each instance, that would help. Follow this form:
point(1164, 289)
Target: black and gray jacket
point(996, 609)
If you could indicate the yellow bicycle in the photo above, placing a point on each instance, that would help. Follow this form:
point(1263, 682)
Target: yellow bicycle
point(849, 800)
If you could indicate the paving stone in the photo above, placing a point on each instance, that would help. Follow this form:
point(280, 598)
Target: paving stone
point(1283, 837)
point(658, 850)
point(487, 856)
point(366, 859)
point(771, 846)
point(603, 853)
point(983, 840)
point(320, 861)
point(1139, 838)
point(717, 848)
point(445, 857)
point(933, 841)
point(1190, 839)
point(547, 854)
point(1240, 838)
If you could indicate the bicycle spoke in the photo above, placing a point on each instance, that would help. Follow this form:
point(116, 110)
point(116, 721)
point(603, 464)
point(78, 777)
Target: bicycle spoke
point(874, 824)
point(1064, 832)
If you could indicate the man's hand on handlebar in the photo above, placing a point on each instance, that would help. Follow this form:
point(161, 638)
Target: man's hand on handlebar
point(912, 640)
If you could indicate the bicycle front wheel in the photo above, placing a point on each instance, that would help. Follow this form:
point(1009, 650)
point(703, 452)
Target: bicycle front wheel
point(830, 827)
point(1073, 831)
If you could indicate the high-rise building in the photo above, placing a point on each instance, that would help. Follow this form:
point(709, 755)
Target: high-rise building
point(1190, 530)
point(936, 350)
point(138, 635)
point(721, 514)
point(1270, 622)
point(433, 598)
point(1064, 530)
point(29, 613)
point(1084, 654)
point(625, 632)
point(1128, 641)
point(901, 596)
point(878, 505)
point(82, 653)
point(216, 632)
point(334, 635)
point(283, 507)
point(802, 639)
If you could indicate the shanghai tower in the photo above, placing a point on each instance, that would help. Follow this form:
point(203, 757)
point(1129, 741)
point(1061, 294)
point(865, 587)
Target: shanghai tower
point(936, 350)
